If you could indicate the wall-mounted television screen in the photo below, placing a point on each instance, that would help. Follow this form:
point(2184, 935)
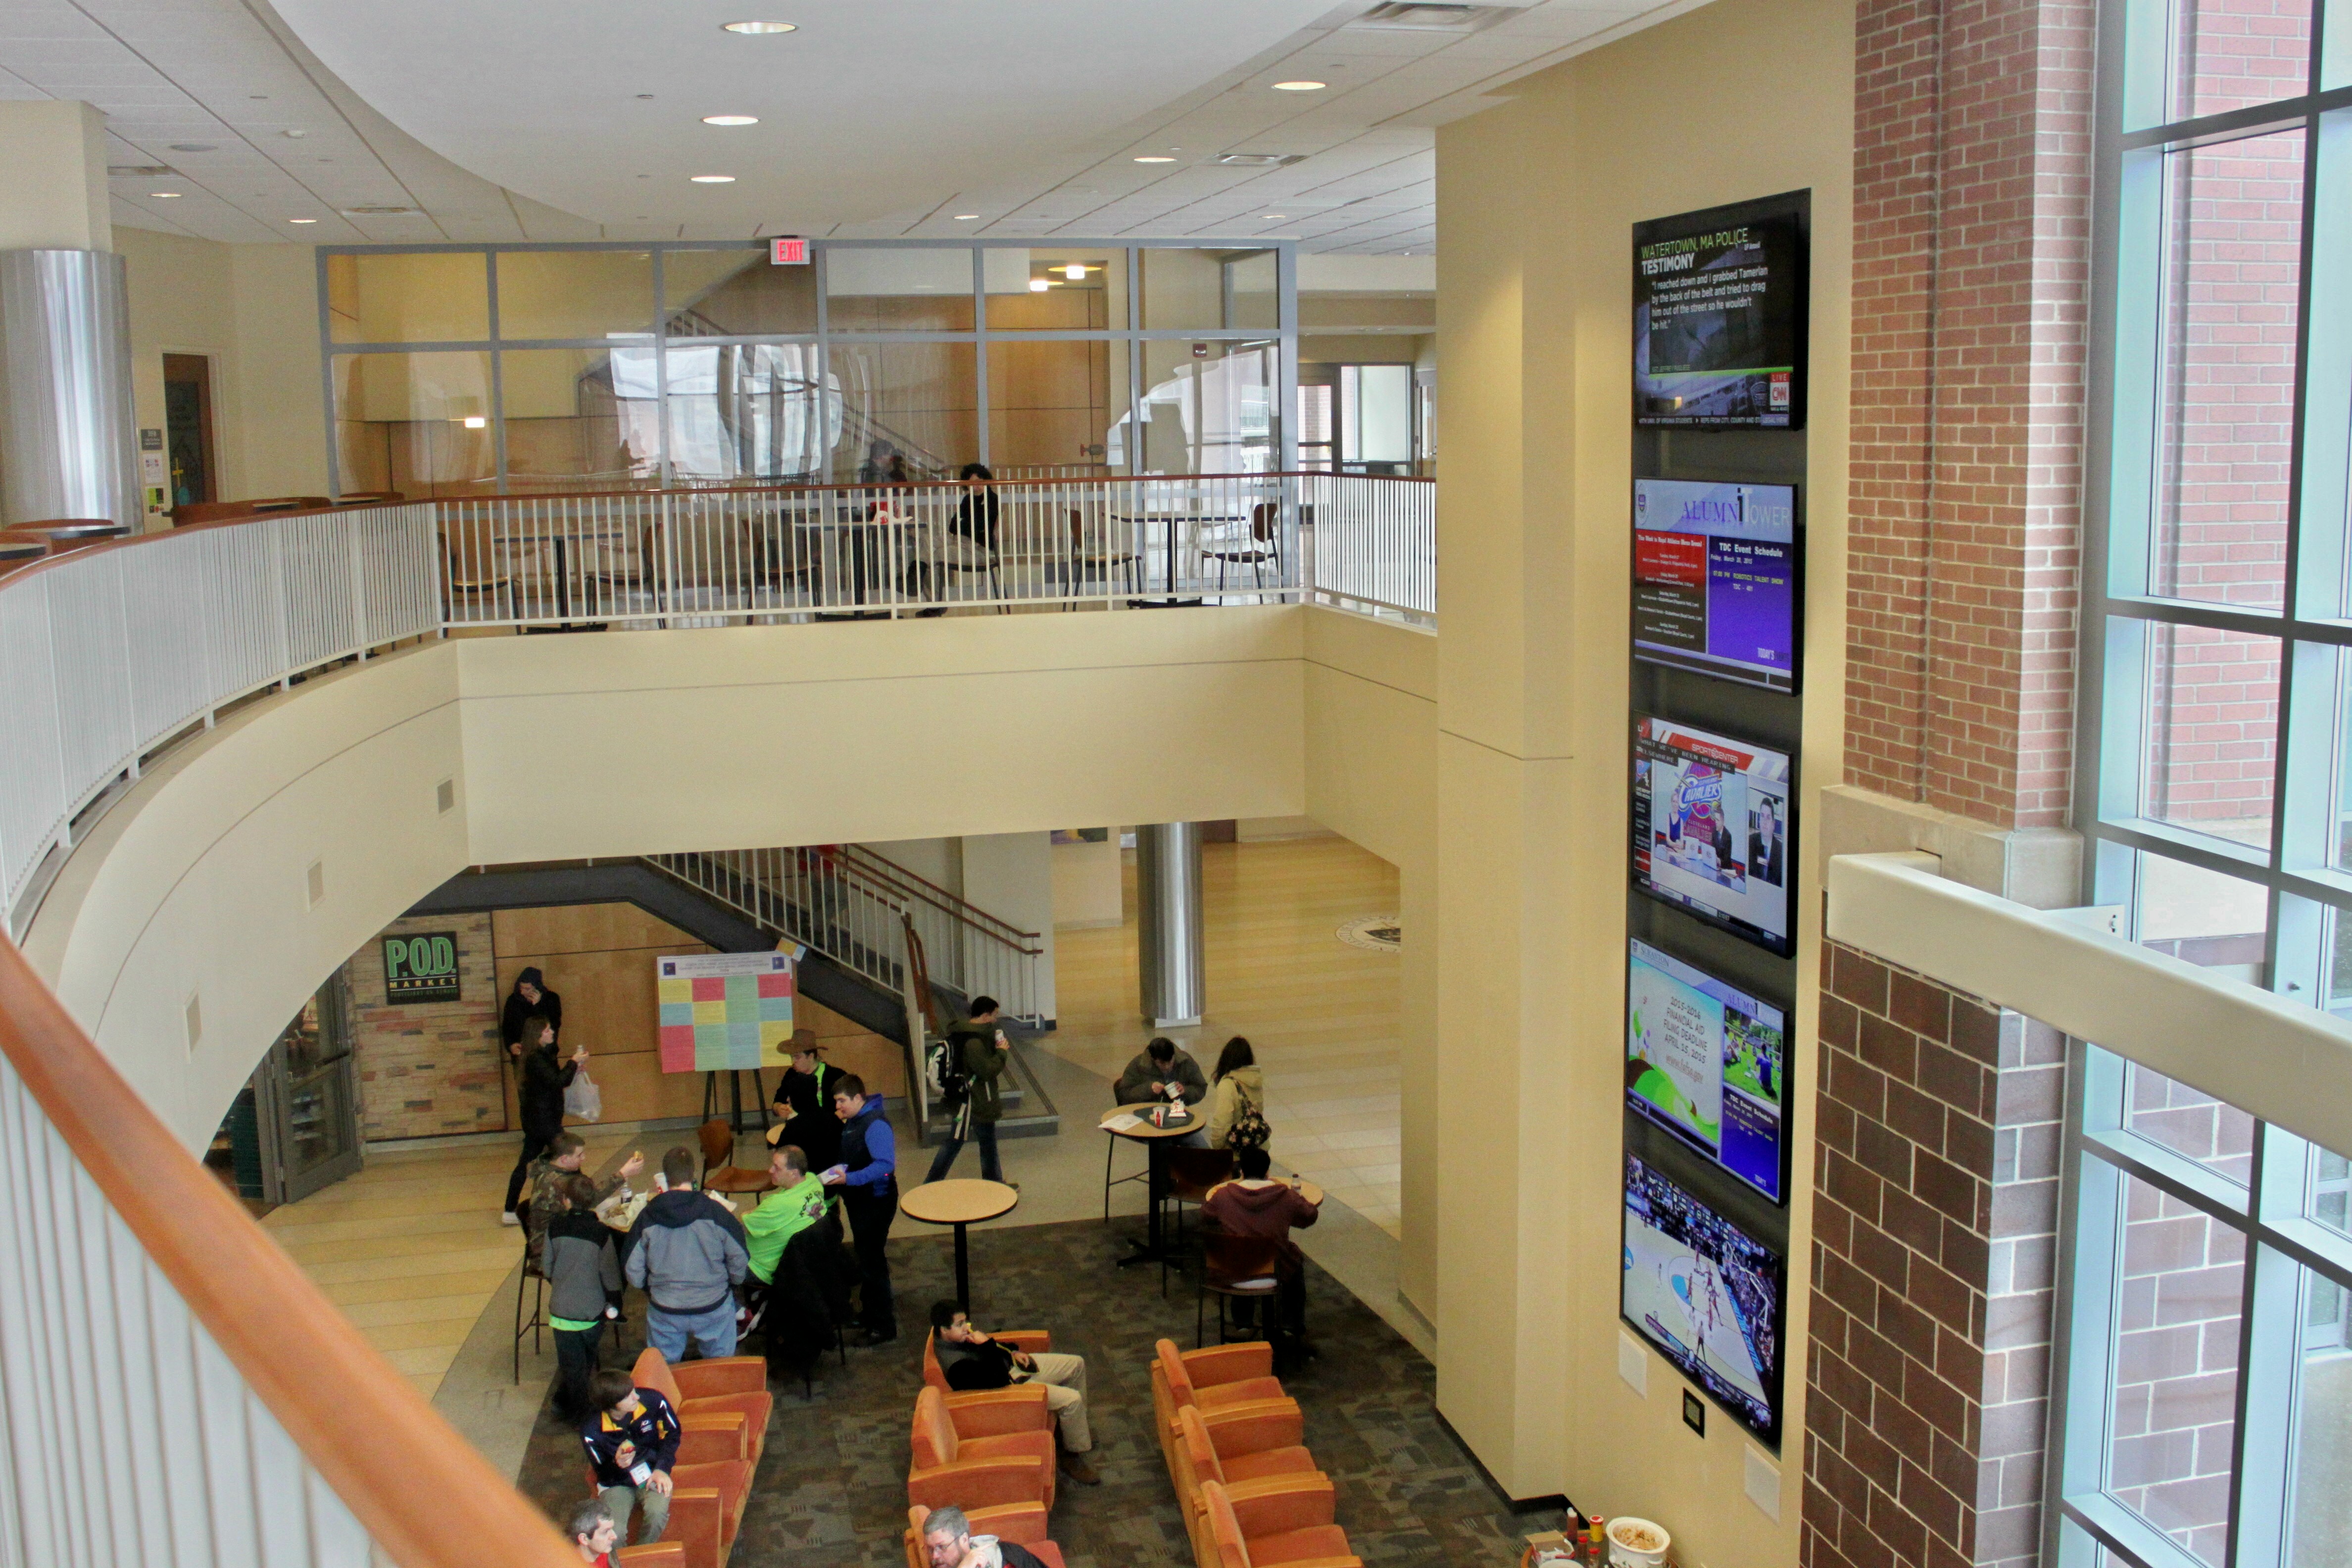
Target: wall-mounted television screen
point(1712, 831)
point(1719, 303)
point(1715, 579)
point(1705, 1292)
point(1707, 1062)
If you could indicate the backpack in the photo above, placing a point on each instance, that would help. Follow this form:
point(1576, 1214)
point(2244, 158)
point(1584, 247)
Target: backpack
point(943, 1071)
point(1249, 1128)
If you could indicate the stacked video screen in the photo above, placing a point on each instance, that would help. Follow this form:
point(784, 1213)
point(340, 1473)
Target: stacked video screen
point(1716, 546)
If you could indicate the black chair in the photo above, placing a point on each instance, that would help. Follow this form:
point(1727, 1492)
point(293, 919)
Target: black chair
point(533, 1283)
point(1237, 1268)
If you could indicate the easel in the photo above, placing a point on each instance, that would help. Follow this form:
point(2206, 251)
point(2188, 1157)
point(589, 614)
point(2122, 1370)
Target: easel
point(735, 1089)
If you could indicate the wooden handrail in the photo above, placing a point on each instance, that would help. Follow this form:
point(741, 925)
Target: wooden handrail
point(896, 876)
point(866, 485)
point(419, 1490)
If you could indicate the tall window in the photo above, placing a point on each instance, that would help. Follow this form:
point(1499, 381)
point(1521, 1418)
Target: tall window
point(2205, 1415)
point(463, 370)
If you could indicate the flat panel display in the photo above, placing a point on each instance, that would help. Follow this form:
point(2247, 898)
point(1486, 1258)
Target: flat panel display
point(1707, 1293)
point(1712, 832)
point(1715, 579)
point(1707, 1062)
point(1719, 303)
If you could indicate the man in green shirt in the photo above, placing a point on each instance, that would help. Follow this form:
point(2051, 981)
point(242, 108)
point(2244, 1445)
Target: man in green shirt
point(798, 1202)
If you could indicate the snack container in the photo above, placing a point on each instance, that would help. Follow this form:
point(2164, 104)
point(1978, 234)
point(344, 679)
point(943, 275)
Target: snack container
point(1548, 1549)
point(1637, 1542)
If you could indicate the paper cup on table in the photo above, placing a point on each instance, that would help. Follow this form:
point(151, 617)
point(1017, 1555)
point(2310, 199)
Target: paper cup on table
point(1637, 1544)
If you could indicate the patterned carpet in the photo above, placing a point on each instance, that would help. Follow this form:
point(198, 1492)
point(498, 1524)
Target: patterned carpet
point(831, 1490)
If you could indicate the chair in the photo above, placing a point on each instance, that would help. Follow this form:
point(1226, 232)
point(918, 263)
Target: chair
point(1097, 552)
point(1110, 1148)
point(1023, 1524)
point(1237, 1268)
point(704, 1391)
point(660, 1554)
point(480, 577)
point(1264, 544)
point(1033, 1342)
point(1192, 1174)
point(1215, 1380)
point(978, 1450)
point(718, 1139)
point(1198, 1459)
point(532, 1283)
point(1280, 1522)
point(705, 1506)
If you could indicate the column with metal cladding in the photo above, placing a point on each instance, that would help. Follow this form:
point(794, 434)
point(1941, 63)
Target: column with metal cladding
point(65, 421)
point(1168, 923)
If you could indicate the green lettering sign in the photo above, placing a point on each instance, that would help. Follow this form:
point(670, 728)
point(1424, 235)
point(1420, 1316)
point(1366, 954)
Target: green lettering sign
point(421, 968)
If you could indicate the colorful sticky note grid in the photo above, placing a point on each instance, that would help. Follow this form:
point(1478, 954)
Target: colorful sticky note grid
point(722, 1023)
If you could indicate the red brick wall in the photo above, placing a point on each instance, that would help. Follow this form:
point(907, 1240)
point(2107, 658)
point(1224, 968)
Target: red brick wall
point(1972, 201)
point(1934, 1219)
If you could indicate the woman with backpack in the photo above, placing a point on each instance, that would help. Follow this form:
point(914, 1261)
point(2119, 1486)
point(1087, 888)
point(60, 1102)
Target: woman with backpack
point(1237, 1099)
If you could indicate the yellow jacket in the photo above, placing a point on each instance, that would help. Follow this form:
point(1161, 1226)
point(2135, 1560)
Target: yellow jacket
point(1228, 1095)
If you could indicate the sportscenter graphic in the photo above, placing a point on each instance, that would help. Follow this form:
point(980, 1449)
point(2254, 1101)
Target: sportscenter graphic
point(1711, 827)
point(1707, 1293)
point(1715, 579)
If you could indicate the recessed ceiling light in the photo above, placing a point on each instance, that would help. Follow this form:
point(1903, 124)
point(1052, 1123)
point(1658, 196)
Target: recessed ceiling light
point(966, 217)
point(1275, 218)
point(1300, 86)
point(301, 220)
point(194, 147)
point(712, 179)
point(730, 119)
point(476, 422)
point(298, 135)
point(164, 195)
point(760, 27)
point(1155, 159)
point(1039, 285)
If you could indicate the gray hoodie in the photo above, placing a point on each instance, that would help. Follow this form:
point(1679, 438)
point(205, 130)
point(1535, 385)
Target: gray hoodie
point(687, 1252)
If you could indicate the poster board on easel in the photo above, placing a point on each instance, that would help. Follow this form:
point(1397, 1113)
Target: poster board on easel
point(723, 1012)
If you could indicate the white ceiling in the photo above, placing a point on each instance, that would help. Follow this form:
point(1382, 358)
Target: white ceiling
point(553, 120)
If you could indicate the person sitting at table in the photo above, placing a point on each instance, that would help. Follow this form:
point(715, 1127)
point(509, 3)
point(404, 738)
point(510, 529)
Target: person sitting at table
point(948, 1543)
point(799, 1282)
point(968, 545)
point(567, 1153)
point(583, 1272)
point(1158, 1068)
point(972, 1359)
point(804, 1104)
point(1253, 1203)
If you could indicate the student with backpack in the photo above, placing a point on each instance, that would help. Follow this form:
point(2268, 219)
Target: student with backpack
point(964, 1070)
point(1237, 1099)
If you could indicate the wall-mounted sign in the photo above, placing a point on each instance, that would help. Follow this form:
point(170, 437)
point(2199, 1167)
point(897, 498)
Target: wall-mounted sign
point(151, 440)
point(788, 250)
point(1720, 302)
point(421, 968)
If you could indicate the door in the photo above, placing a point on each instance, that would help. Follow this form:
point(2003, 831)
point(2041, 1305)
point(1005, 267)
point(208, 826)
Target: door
point(188, 428)
point(307, 1100)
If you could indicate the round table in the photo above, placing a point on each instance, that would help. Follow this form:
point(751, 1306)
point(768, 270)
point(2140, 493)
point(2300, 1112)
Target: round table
point(1155, 1143)
point(958, 1203)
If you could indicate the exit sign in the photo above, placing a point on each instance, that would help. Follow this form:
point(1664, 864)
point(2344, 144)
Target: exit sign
point(788, 250)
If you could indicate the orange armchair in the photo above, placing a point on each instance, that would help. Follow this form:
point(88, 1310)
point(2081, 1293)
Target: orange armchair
point(728, 1486)
point(1199, 1460)
point(1033, 1342)
point(1023, 1524)
point(724, 1404)
point(1215, 1379)
point(981, 1450)
point(660, 1554)
point(1279, 1521)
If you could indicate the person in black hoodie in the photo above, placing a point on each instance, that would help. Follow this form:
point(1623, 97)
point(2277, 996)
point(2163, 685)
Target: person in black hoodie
point(531, 998)
point(804, 1106)
point(539, 1095)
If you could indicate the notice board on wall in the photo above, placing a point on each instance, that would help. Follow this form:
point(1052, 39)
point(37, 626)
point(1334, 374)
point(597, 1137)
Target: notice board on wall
point(726, 1011)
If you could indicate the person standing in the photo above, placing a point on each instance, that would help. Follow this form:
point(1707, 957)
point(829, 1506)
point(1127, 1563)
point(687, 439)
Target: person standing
point(687, 1253)
point(539, 1096)
point(804, 1104)
point(1237, 1091)
point(867, 1176)
point(530, 999)
point(981, 1050)
point(585, 1279)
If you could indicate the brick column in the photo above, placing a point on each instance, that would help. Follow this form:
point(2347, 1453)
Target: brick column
point(1971, 264)
point(1935, 1220)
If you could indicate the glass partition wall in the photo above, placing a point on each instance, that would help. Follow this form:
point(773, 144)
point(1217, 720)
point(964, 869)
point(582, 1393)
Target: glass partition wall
point(2202, 1394)
point(473, 370)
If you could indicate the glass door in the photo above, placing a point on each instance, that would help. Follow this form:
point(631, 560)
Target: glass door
point(307, 1102)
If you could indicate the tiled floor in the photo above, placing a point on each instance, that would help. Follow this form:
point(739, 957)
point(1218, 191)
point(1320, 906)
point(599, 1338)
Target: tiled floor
point(1321, 1014)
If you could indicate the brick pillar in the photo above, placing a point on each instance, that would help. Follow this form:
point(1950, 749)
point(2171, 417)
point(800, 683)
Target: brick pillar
point(1971, 264)
point(1935, 1220)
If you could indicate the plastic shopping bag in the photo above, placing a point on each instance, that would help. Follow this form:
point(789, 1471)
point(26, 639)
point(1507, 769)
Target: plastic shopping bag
point(581, 1098)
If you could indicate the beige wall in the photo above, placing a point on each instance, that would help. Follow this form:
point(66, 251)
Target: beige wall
point(52, 194)
point(252, 310)
point(1535, 345)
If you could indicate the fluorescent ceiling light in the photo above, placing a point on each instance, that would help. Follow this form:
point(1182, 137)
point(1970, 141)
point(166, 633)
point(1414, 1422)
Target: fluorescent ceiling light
point(1075, 272)
point(1275, 218)
point(301, 220)
point(1155, 160)
point(965, 217)
point(476, 422)
point(1300, 86)
point(164, 195)
point(1039, 285)
point(730, 119)
point(758, 27)
point(712, 179)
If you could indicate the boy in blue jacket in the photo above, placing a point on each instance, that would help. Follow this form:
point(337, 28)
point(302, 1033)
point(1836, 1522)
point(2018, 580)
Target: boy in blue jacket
point(868, 1179)
point(632, 1436)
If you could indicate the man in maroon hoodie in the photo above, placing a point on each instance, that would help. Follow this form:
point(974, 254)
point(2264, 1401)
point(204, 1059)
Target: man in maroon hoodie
point(1256, 1205)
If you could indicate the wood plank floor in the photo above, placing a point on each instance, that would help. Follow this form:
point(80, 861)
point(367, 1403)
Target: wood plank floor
point(1321, 1014)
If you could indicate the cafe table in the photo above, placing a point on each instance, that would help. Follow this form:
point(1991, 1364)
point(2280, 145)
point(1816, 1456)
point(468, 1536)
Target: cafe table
point(959, 1203)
